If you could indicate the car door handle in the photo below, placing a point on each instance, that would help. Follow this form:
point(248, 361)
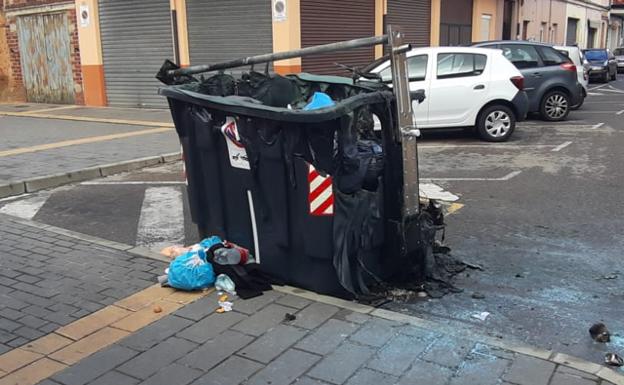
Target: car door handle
point(479, 87)
point(536, 75)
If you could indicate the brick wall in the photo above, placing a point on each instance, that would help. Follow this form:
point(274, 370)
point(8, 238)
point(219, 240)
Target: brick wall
point(75, 56)
point(10, 33)
point(17, 4)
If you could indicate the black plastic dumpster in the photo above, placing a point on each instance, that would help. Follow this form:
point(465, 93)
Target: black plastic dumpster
point(303, 189)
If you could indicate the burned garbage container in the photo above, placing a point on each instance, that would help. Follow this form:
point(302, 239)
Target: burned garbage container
point(299, 169)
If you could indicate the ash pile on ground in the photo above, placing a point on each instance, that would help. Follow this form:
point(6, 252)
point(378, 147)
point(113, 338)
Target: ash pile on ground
point(441, 271)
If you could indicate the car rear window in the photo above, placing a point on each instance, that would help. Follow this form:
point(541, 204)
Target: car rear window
point(596, 55)
point(453, 65)
point(551, 57)
point(521, 55)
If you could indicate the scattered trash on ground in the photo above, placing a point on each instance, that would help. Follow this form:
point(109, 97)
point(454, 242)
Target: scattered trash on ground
point(477, 295)
point(481, 316)
point(195, 267)
point(225, 306)
point(610, 276)
point(473, 266)
point(433, 191)
point(225, 283)
point(192, 270)
point(289, 317)
point(157, 309)
point(612, 359)
point(175, 251)
point(599, 332)
point(232, 254)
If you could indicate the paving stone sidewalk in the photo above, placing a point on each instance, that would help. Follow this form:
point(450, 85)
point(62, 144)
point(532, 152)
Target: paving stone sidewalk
point(48, 280)
point(325, 344)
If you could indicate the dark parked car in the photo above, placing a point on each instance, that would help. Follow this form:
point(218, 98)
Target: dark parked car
point(602, 64)
point(550, 79)
point(619, 57)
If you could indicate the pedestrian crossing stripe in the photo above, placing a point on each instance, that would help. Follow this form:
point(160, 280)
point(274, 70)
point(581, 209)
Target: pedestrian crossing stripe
point(321, 195)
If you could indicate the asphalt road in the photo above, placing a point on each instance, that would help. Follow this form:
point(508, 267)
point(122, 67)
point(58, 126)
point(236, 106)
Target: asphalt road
point(543, 214)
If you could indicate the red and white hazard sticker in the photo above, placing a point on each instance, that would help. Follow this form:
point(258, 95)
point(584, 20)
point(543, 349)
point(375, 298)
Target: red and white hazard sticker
point(321, 196)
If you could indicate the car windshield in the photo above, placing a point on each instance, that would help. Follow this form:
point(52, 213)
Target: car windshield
point(619, 52)
point(596, 55)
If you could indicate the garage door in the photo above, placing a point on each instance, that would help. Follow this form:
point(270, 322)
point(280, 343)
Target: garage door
point(414, 17)
point(224, 30)
point(136, 39)
point(329, 21)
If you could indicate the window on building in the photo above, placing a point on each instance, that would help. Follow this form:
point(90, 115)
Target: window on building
point(485, 27)
point(553, 32)
point(525, 27)
point(543, 32)
point(453, 65)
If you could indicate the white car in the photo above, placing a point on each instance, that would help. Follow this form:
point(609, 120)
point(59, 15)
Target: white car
point(464, 87)
point(582, 67)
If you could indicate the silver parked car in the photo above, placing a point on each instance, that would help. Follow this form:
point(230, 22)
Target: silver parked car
point(619, 56)
point(550, 78)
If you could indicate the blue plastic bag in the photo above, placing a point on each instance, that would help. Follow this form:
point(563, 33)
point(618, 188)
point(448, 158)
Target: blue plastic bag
point(191, 270)
point(319, 100)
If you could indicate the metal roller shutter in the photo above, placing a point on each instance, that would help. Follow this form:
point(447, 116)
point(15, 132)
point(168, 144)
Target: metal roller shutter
point(136, 39)
point(414, 17)
point(224, 30)
point(329, 21)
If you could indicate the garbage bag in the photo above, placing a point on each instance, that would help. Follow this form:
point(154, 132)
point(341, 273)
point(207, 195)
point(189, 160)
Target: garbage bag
point(191, 270)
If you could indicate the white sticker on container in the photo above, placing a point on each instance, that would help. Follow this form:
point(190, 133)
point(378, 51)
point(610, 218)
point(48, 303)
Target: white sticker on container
point(236, 150)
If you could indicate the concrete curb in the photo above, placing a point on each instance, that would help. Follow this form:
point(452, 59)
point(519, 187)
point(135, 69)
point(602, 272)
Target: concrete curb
point(49, 181)
point(455, 329)
point(460, 330)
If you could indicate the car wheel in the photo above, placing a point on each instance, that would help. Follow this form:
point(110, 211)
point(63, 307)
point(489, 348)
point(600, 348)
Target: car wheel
point(579, 105)
point(614, 76)
point(606, 77)
point(496, 123)
point(555, 106)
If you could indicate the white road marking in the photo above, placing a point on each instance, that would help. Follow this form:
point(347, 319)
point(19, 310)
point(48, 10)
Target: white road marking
point(597, 87)
point(519, 146)
point(595, 126)
point(14, 197)
point(594, 94)
point(130, 182)
point(25, 208)
point(504, 178)
point(161, 222)
point(620, 112)
point(433, 191)
point(614, 91)
point(593, 112)
point(561, 146)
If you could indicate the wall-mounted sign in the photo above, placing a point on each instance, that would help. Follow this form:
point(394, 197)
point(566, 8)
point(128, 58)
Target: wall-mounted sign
point(279, 10)
point(85, 15)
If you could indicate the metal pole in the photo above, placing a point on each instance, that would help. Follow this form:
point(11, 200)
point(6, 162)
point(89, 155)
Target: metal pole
point(269, 57)
point(406, 126)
